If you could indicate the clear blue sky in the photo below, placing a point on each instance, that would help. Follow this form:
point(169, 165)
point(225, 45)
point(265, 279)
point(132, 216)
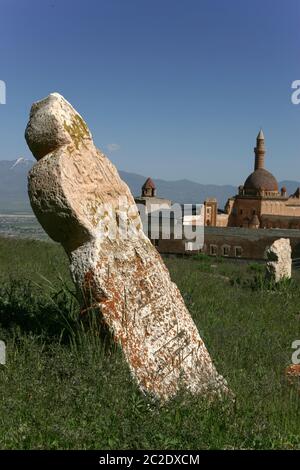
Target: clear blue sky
point(180, 88)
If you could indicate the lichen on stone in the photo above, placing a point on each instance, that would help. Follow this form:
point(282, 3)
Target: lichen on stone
point(77, 130)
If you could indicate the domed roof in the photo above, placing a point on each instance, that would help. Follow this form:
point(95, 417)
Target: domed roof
point(261, 179)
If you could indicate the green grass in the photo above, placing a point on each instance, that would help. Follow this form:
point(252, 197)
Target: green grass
point(62, 388)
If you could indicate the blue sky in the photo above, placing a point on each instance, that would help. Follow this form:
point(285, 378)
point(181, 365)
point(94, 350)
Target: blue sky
point(180, 88)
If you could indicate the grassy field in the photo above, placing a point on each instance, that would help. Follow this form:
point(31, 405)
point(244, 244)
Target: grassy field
point(61, 388)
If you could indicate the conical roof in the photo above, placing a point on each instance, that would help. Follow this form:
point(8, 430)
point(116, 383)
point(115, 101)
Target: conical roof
point(261, 135)
point(149, 184)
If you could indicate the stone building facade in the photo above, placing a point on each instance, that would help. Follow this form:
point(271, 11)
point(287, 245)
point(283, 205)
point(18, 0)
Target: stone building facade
point(259, 202)
point(258, 206)
point(149, 200)
point(210, 212)
point(234, 242)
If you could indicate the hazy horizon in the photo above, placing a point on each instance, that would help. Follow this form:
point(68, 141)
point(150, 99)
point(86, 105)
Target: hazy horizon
point(157, 178)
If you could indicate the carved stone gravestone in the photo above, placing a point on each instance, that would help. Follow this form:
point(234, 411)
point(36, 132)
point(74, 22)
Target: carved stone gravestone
point(279, 260)
point(81, 202)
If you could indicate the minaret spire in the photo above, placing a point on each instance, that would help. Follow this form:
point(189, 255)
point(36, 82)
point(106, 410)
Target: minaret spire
point(259, 151)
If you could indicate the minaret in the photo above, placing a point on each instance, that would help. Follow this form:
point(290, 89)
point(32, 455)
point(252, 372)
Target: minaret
point(259, 151)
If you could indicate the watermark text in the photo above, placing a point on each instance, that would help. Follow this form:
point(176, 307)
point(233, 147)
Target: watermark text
point(296, 94)
point(296, 353)
point(2, 92)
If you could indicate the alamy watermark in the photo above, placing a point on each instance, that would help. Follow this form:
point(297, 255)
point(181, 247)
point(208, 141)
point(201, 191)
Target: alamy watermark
point(2, 92)
point(128, 221)
point(296, 353)
point(296, 94)
point(2, 353)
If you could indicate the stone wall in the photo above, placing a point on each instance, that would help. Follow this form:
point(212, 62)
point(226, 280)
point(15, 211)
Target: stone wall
point(273, 213)
point(235, 242)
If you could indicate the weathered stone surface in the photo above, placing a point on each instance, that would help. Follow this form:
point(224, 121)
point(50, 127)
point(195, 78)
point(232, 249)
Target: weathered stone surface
point(279, 260)
point(292, 374)
point(75, 191)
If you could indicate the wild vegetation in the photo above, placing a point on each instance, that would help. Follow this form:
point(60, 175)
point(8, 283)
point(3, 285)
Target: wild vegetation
point(63, 387)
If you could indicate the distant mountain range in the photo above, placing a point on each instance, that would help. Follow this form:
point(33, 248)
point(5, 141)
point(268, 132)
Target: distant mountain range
point(14, 198)
point(13, 185)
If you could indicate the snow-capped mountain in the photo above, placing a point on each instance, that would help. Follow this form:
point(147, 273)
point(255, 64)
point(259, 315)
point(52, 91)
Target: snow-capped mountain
point(14, 197)
point(21, 162)
point(13, 185)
